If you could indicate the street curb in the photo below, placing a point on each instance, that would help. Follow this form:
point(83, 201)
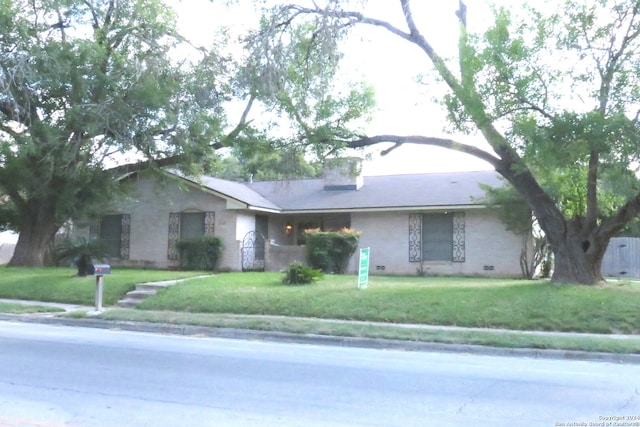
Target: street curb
point(355, 342)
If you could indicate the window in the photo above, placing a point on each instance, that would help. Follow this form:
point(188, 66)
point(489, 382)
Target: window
point(191, 225)
point(188, 226)
point(113, 231)
point(110, 234)
point(437, 237)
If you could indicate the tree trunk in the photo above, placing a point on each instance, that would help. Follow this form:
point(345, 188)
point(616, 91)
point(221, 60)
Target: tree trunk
point(578, 260)
point(37, 232)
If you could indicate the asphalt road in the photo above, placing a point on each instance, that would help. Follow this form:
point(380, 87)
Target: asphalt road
point(53, 376)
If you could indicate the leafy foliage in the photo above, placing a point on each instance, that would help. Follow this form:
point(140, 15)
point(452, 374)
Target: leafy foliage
point(83, 85)
point(330, 251)
point(81, 252)
point(295, 76)
point(8, 215)
point(200, 254)
point(300, 274)
point(264, 159)
point(518, 218)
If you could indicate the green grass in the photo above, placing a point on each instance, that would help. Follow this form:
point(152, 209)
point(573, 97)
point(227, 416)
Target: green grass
point(62, 285)
point(470, 302)
point(26, 309)
point(509, 339)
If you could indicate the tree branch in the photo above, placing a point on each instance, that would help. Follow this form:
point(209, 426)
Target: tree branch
point(242, 124)
point(613, 224)
point(94, 15)
point(591, 217)
point(13, 112)
point(426, 140)
point(128, 168)
point(352, 16)
point(174, 160)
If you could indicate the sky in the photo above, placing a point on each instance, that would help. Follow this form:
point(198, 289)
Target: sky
point(391, 65)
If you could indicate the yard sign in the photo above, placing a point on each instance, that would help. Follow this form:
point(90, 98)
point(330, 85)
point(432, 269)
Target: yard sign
point(363, 273)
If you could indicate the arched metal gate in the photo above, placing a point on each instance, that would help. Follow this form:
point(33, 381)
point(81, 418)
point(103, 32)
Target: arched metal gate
point(253, 252)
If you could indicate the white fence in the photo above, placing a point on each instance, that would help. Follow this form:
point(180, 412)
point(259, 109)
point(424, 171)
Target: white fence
point(622, 258)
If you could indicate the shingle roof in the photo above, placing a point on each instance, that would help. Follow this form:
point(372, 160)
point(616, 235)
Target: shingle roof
point(381, 192)
point(431, 190)
point(232, 190)
point(239, 191)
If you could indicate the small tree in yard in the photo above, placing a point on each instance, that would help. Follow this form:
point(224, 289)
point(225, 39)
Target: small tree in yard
point(330, 251)
point(555, 95)
point(517, 217)
point(300, 274)
point(81, 252)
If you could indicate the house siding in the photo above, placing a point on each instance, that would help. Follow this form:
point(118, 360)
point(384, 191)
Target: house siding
point(244, 224)
point(150, 205)
point(387, 236)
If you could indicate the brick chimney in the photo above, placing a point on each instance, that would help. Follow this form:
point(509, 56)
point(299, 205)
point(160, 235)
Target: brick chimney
point(343, 174)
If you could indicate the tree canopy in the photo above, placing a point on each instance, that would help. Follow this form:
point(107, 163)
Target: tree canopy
point(554, 92)
point(83, 85)
point(265, 160)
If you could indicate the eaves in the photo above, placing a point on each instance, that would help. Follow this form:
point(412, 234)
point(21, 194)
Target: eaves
point(386, 209)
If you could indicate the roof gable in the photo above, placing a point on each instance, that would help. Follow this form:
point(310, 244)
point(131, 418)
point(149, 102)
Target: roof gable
point(237, 194)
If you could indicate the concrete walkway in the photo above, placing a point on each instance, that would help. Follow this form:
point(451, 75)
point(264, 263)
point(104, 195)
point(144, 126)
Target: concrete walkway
point(65, 307)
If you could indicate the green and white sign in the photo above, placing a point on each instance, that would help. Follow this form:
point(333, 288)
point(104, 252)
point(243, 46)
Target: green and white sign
point(363, 272)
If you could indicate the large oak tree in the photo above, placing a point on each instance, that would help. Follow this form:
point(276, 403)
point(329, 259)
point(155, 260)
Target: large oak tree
point(555, 95)
point(89, 84)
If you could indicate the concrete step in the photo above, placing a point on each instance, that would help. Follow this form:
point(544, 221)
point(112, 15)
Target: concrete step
point(128, 303)
point(144, 291)
point(135, 297)
point(154, 286)
point(140, 294)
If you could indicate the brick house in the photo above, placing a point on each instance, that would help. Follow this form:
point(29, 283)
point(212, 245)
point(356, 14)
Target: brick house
point(436, 223)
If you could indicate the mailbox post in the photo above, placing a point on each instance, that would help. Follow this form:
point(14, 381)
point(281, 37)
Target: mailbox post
point(99, 270)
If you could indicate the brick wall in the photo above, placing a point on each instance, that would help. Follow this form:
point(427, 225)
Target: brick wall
point(490, 249)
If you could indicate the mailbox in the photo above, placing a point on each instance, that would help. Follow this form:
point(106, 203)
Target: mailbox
point(100, 269)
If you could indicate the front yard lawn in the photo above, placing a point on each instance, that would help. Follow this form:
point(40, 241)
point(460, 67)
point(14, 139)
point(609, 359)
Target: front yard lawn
point(462, 301)
point(62, 285)
point(470, 302)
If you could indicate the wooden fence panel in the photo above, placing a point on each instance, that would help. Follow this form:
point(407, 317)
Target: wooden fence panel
point(622, 258)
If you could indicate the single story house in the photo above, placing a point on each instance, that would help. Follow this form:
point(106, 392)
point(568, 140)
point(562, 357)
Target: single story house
point(432, 223)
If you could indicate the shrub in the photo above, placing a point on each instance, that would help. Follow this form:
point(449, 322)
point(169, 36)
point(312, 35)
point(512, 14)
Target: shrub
point(200, 254)
point(299, 274)
point(81, 252)
point(330, 251)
